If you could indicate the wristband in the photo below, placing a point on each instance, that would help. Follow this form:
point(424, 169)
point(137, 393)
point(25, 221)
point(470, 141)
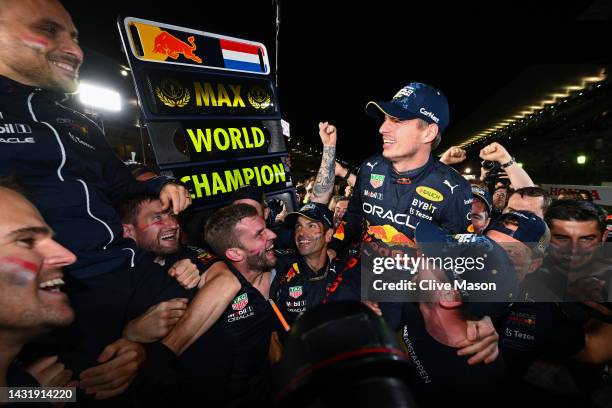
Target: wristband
point(510, 163)
point(347, 175)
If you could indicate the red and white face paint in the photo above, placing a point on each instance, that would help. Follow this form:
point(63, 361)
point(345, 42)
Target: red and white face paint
point(38, 45)
point(35, 43)
point(31, 278)
point(156, 230)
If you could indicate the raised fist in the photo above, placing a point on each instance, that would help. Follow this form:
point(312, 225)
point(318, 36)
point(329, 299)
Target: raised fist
point(495, 152)
point(328, 134)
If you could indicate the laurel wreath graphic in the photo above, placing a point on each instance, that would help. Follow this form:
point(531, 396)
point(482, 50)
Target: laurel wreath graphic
point(258, 98)
point(180, 102)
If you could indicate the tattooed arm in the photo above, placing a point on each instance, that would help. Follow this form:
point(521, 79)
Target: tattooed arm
point(324, 184)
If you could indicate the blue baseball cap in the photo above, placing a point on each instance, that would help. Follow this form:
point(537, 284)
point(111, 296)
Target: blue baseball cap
point(498, 269)
point(484, 196)
point(531, 229)
point(414, 101)
point(313, 211)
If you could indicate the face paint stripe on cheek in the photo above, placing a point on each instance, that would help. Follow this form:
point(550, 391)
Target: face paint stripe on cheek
point(35, 42)
point(153, 224)
point(16, 272)
point(21, 262)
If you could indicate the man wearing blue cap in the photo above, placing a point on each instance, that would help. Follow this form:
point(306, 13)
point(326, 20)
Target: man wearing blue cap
point(405, 184)
point(308, 278)
point(482, 206)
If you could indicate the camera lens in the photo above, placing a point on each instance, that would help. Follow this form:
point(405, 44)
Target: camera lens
point(488, 165)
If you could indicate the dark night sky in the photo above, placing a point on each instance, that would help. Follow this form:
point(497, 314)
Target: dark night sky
point(334, 57)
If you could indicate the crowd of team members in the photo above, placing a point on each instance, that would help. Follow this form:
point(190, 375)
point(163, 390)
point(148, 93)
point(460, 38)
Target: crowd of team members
point(545, 324)
point(152, 320)
point(231, 346)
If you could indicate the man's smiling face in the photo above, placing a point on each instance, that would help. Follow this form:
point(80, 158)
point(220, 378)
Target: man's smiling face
point(38, 45)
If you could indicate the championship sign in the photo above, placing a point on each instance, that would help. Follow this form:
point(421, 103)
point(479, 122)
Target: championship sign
point(214, 182)
point(211, 110)
point(204, 140)
point(191, 94)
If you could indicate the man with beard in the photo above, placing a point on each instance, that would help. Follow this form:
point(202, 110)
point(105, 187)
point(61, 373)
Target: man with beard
point(309, 278)
point(206, 359)
point(339, 209)
point(157, 231)
point(238, 235)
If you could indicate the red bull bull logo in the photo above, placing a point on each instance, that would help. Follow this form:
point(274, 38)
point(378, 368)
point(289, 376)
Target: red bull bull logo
point(389, 235)
point(339, 234)
point(295, 270)
point(166, 43)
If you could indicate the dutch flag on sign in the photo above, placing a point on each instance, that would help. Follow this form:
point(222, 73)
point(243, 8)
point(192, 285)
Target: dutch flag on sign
point(242, 56)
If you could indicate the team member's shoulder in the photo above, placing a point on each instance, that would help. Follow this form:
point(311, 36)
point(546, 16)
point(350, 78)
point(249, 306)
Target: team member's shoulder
point(346, 262)
point(285, 259)
point(370, 164)
point(447, 182)
point(287, 269)
point(447, 172)
point(202, 255)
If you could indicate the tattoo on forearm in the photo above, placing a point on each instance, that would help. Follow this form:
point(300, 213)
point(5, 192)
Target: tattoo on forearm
point(324, 183)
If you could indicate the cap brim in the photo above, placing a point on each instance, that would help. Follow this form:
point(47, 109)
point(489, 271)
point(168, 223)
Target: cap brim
point(488, 204)
point(380, 109)
point(292, 217)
